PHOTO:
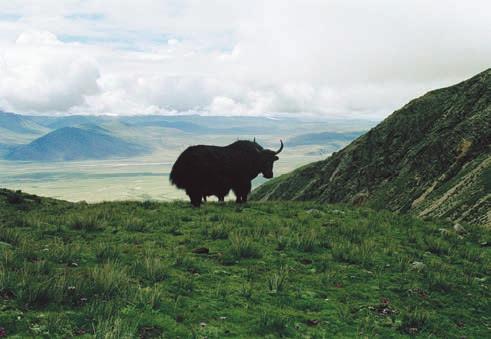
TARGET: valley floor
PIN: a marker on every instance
(139, 178)
(148, 269)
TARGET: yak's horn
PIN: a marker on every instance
(281, 147)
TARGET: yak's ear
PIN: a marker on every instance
(275, 158)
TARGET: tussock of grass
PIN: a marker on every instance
(135, 225)
(277, 281)
(307, 241)
(272, 322)
(216, 232)
(63, 253)
(149, 298)
(86, 222)
(415, 321)
(151, 269)
(114, 328)
(107, 280)
(128, 269)
(9, 236)
(243, 247)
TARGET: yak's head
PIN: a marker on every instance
(267, 158)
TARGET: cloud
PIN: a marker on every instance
(40, 74)
(331, 58)
(37, 38)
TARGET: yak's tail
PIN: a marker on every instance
(179, 173)
(185, 173)
(174, 176)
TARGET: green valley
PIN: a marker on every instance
(98, 158)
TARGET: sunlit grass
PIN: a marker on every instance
(136, 269)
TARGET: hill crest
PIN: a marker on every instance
(431, 157)
(75, 143)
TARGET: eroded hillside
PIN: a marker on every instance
(431, 157)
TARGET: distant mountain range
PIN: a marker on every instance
(431, 157)
(75, 143)
(322, 138)
(15, 128)
(190, 127)
(26, 137)
(19, 124)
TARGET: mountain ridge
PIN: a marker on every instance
(413, 161)
(322, 137)
(19, 124)
(75, 143)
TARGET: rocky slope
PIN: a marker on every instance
(431, 157)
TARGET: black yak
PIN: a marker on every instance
(204, 170)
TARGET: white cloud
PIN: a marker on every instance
(343, 58)
(226, 106)
(38, 73)
(36, 38)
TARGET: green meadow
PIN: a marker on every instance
(284, 269)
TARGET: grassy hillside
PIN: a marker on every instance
(75, 143)
(296, 269)
(431, 157)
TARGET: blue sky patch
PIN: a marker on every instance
(9, 16)
(86, 16)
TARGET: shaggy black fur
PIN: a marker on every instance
(204, 170)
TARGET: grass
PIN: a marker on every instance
(243, 247)
(277, 281)
(129, 269)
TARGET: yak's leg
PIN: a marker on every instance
(204, 197)
(238, 195)
(196, 200)
(222, 194)
(242, 191)
(195, 197)
(247, 190)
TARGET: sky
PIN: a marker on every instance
(343, 59)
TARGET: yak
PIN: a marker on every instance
(205, 170)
